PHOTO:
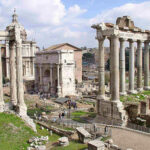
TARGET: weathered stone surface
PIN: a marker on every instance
(96, 145)
(63, 141)
(83, 135)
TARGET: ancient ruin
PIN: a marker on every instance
(58, 68)
(124, 30)
(55, 71)
(15, 35)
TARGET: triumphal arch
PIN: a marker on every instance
(15, 34)
(112, 111)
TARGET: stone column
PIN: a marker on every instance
(58, 82)
(146, 66)
(1, 84)
(114, 68)
(101, 94)
(41, 82)
(139, 66)
(20, 87)
(122, 68)
(12, 64)
(131, 67)
(36, 78)
(51, 78)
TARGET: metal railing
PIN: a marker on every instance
(103, 130)
(138, 127)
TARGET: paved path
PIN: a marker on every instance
(129, 139)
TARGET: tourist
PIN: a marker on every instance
(62, 115)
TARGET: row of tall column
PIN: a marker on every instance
(117, 67)
(16, 79)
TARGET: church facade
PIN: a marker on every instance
(29, 48)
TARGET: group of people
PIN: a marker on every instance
(72, 104)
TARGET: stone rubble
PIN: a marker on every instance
(37, 143)
(63, 141)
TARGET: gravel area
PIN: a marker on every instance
(129, 139)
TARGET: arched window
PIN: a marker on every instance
(47, 73)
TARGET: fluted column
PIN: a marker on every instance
(115, 68)
(101, 94)
(1, 85)
(122, 68)
(139, 66)
(12, 64)
(20, 88)
(131, 67)
(146, 66)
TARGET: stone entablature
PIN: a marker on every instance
(55, 72)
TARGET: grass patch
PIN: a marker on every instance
(83, 113)
(38, 111)
(80, 116)
(79, 120)
(135, 97)
(74, 145)
(105, 138)
(14, 134)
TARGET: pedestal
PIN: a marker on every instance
(111, 112)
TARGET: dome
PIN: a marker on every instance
(16, 23)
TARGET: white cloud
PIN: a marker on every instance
(75, 10)
(138, 12)
(38, 11)
(50, 22)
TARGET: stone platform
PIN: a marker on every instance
(111, 112)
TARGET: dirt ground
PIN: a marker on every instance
(129, 139)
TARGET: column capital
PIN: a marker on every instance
(101, 38)
(132, 40)
(122, 39)
(114, 36)
(140, 41)
(146, 42)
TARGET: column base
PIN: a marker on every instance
(22, 111)
(139, 89)
(59, 91)
(132, 92)
(111, 112)
(146, 87)
(123, 93)
(99, 97)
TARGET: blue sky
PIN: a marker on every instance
(56, 21)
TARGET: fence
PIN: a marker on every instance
(138, 127)
(102, 130)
